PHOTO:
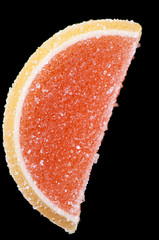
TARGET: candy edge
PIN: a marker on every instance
(9, 117)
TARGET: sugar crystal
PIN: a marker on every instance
(42, 162)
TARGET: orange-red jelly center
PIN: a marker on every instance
(65, 113)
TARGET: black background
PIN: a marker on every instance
(116, 197)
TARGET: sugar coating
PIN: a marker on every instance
(66, 112)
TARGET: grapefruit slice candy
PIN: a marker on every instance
(58, 109)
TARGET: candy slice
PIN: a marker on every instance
(58, 110)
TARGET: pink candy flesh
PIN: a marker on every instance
(66, 112)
